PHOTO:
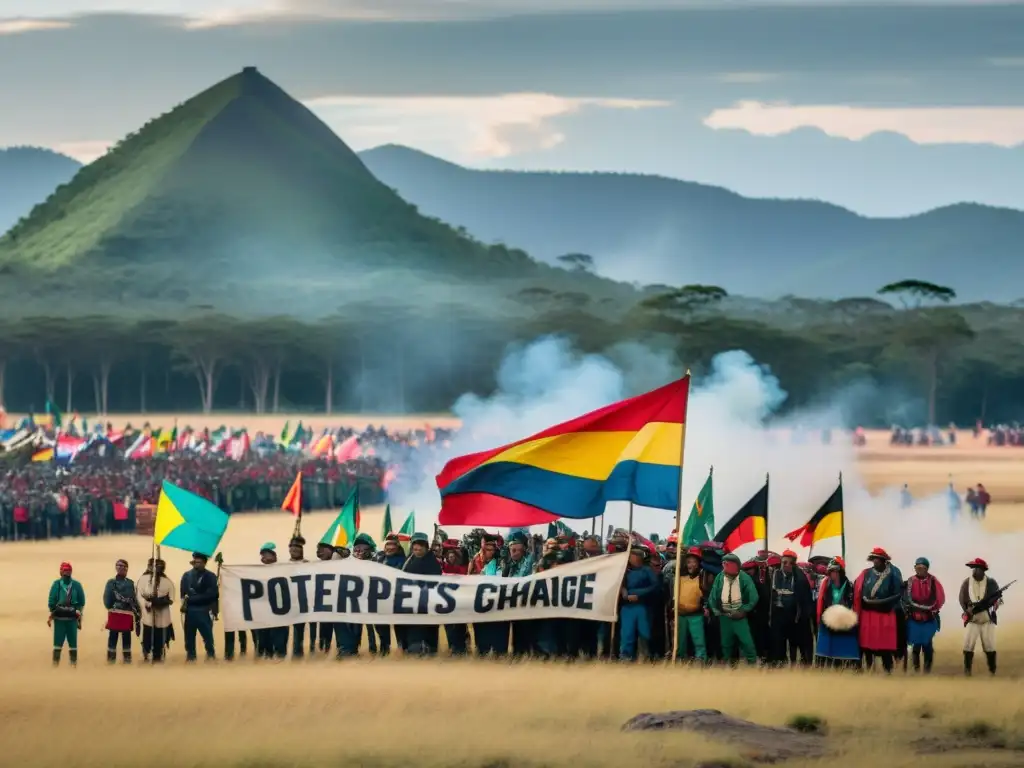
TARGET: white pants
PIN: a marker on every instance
(985, 632)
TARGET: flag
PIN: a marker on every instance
(627, 451)
(293, 501)
(283, 439)
(348, 450)
(407, 530)
(747, 526)
(826, 523)
(45, 454)
(54, 412)
(346, 525)
(324, 445)
(701, 522)
(186, 521)
(389, 477)
(558, 528)
(386, 526)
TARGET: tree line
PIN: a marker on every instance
(920, 360)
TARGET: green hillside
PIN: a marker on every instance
(28, 175)
(241, 196)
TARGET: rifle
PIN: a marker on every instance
(987, 603)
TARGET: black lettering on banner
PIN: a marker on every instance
(350, 589)
(583, 599)
(513, 595)
(301, 581)
(379, 591)
(322, 591)
(540, 594)
(555, 581)
(252, 589)
(483, 601)
(424, 604)
(568, 593)
(403, 592)
(444, 591)
(280, 595)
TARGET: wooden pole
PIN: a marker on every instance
(767, 503)
(679, 518)
(842, 518)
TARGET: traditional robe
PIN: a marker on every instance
(876, 597)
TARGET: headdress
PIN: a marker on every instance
(879, 553)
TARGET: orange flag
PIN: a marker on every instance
(293, 501)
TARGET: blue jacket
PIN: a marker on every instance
(394, 561)
(201, 589)
(641, 582)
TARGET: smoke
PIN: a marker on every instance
(732, 425)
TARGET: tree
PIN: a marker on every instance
(927, 330)
(267, 344)
(577, 262)
(202, 345)
(686, 300)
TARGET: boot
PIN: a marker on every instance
(917, 659)
(968, 662)
(127, 656)
(929, 657)
(991, 657)
(56, 656)
(111, 656)
(73, 657)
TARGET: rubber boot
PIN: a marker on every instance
(56, 656)
(111, 656)
(73, 657)
(968, 662)
(991, 657)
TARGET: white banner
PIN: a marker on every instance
(365, 592)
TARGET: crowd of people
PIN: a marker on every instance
(98, 492)
(770, 610)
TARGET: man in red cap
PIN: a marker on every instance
(979, 601)
(691, 606)
(790, 608)
(66, 603)
(876, 598)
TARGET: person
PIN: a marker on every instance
(123, 613)
(906, 498)
(421, 638)
(272, 642)
(876, 596)
(837, 644)
(733, 596)
(199, 593)
(295, 556)
(325, 552)
(979, 604)
(539, 636)
(634, 616)
(392, 556)
(923, 598)
(66, 603)
(490, 637)
(691, 605)
(155, 594)
(984, 499)
(350, 634)
(791, 606)
(457, 635)
(954, 503)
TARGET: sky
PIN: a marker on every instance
(888, 108)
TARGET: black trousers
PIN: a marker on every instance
(885, 656)
(491, 638)
(126, 644)
(457, 636)
(243, 644)
(201, 622)
(154, 641)
(788, 637)
(273, 643)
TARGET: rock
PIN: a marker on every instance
(760, 743)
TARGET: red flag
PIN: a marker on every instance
(293, 501)
(389, 477)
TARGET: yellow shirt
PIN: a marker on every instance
(689, 594)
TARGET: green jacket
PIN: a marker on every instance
(748, 593)
(58, 592)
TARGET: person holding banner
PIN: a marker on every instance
(489, 637)
(392, 556)
(271, 643)
(295, 555)
(324, 551)
(457, 635)
(421, 639)
(638, 587)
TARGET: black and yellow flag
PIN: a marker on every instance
(826, 523)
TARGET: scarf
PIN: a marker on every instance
(882, 578)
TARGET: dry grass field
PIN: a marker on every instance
(401, 712)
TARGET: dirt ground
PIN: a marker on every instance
(441, 712)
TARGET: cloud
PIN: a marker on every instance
(1001, 126)
(747, 78)
(83, 151)
(466, 127)
(21, 26)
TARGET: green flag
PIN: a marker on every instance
(343, 530)
(386, 526)
(54, 411)
(406, 531)
(283, 439)
(558, 528)
(700, 525)
(186, 521)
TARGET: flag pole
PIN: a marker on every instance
(767, 504)
(679, 517)
(842, 519)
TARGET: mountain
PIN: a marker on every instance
(658, 230)
(27, 177)
(241, 199)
